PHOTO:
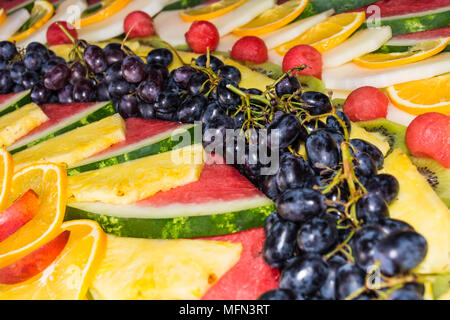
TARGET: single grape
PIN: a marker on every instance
(167, 103)
(83, 91)
(6, 82)
(102, 91)
(38, 48)
(400, 252)
(317, 235)
(146, 110)
(182, 75)
(211, 112)
(8, 50)
(283, 131)
(65, 94)
(198, 84)
(364, 165)
(349, 279)
(162, 70)
(370, 149)
(114, 53)
(33, 61)
(327, 291)
(227, 98)
(40, 94)
(148, 91)
(154, 75)
(363, 245)
(57, 77)
(214, 63)
(317, 103)
(278, 294)
(113, 72)
(231, 73)
(299, 205)
(172, 86)
(334, 125)
(292, 173)
(94, 57)
(304, 274)
(160, 56)
(119, 87)
(384, 185)
(17, 69)
(288, 85)
(192, 108)
(29, 79)
(128, 106)
(133, 69)
(371, 208)
(322, 151)
(78, 71)
(280, 243)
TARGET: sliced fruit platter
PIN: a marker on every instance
(225, 150)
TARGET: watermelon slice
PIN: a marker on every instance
(221, 201)
(407, 16)
(63, 118)
(251, 276)
(12, 101)
(318, 6)
(144, 138)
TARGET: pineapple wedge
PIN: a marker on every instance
(361, 133)
(18, 123)
(76, 145)
(161, 269)
(420, 206)
(135, 180)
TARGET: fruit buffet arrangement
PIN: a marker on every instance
(109, 111)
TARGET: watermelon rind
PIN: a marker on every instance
(160, 143)
(97, 112)
(15, 102)
(318, 6)
(183, 4)
(23, 5)
(182, 221)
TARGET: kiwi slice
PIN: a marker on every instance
(391, 132)
(437, 176)
(270, 69)
(310, 83)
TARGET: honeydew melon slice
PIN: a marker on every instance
(225, 23)
(13, 23)
(143, 138)
(12, 101)
(63, 118)
(161, 269)
(362, 42)
(68, 10)
(113, 26)
(350, 76)
(221, 201)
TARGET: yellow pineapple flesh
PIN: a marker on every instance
(135, 180)
(161, 269)
(19, 123)
(75, 145)
(421, 207)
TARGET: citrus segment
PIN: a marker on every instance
(2, 16)
(211, 11)
(6, 173)
(108, 8)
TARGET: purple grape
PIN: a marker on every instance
(17, 70)
(6, 82)
(94, 57)
(57, 77)
(128, 107)
(118, 88)
(65, 94)
(33, 61)
(83, 91)
(40, 94)
(38, 48)
(133, 69)
(182, 75)
(113, 72)
(7, 50)
(114, 53)
(78, 71)
(149, 91)
(146, 110)
(29, 79)
(102, 92)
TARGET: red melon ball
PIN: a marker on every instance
(251, 49)
(304, 55)
(56, 35)
(428, 135)
(366, 103)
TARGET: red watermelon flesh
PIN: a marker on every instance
(390, 8)
(251, 276)
(7, 96)
(425, 35)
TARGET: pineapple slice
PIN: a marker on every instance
(361, 133)
(421, 207)
(135, 180)
(76, 145)
(161, 269)
(18, 123)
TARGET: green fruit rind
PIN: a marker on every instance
(177, 227)
(410, 23)
(101, 110)
(28, 5)
(317, 6)
(17, 101)
(162, 143)
(183, 4)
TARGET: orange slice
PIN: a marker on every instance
(422, 96)
(211, 11)
(42, 12)
(108, 8)
(6, 174)
(327, 34)
(418, 52)
(69, 276)
(272, 19)
(2, 15)
(49, 182)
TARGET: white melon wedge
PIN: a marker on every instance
(68, 10)
(293, 30)
(13, 23)
(170, 27)
(362, 42)
(113, 26)
(275, 57)
(350, 76)
(227, 42)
